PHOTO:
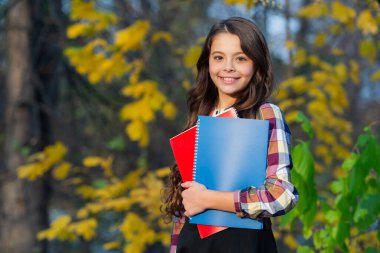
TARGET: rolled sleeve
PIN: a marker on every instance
(277, 195)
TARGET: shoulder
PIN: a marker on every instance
(270, 111)
(274, 115)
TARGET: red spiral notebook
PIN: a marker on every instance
(183, 146)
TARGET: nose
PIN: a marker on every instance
(229, 66)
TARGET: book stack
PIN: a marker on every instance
(224, 153)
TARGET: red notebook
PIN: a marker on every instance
(183, 146)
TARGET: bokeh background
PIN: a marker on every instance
(91, 91)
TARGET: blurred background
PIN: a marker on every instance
(92, 90)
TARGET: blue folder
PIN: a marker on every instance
(231, 154)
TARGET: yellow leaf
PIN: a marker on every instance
(82, 213)
(169, 110)
(156, 100)
(314, 10)
(341, 71)
(367, 23)
(321, 150)
(165, 36)
(290, 44)
(81, 8)
(291, 117)
(138, 66)
(55, 153)
(84, 228)
(131, 37)
(314, 60)
(192, 56)
(62, 171)
(77, 30)
(136, 90)
(291, 242)
(31, 171)
(320, 40)
(375, 76)
(336, 51)
(135, 130)
(300, 57)
(86, 191)
(368, 50)
(354, 72)
(111, 245)
(320, 77)
(163, 172)
(92, 161)
(137, 232)
(118, 204)
(186, 85)
(342, 13)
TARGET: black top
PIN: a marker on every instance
(230, 240)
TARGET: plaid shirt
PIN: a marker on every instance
(277, 195)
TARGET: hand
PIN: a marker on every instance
(192, 198)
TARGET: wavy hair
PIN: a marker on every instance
(203, 97)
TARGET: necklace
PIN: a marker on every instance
(218, 110)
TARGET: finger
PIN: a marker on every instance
(187, 184)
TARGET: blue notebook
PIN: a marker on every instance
(231, 154)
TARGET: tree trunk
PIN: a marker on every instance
(19, 217)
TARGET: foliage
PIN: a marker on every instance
(342, 217)
(103, 60)
(135, 197)
(330, 71)
(350, 210)
(111, 55)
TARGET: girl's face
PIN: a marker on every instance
(230, 69)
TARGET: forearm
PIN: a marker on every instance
(219, 200)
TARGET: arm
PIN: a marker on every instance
(275, 197)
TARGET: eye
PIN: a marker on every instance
(242, 58)
(218, 57)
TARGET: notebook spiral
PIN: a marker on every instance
(196, 151)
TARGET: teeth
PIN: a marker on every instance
(228, 79)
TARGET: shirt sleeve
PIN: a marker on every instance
(177, 227)
(277, 195)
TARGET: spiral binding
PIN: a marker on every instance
(235, 112)
(196, 151)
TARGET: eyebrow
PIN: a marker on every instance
(220, 52)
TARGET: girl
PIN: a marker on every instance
(234, 70)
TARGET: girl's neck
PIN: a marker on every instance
(225, 103)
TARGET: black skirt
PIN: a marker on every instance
(230, 240)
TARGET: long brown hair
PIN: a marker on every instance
(203, 97)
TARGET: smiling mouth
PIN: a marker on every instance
(229, 79)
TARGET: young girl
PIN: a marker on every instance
(234, 70)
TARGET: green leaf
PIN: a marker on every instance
(340, 232)
(100, 183)
(318, 240)
(303, 161)
(328, 250)
(117, 143)
(368, 211)
(288, 218)
(349, 163)
(362, 140)
(371, 250)
(305, 249)
(305, 124)
(337, 186)
(332, 216)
